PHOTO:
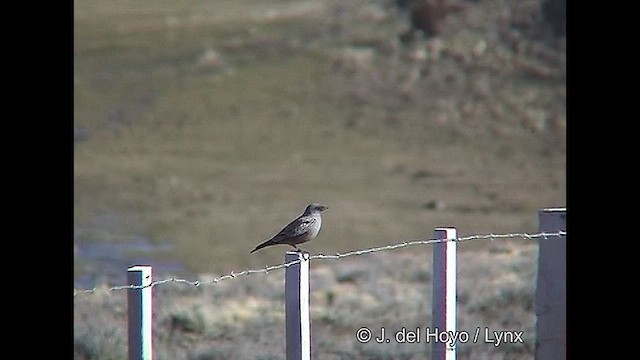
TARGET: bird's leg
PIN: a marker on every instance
(304, 252)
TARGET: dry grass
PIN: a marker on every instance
(391, 290)
(215, 158)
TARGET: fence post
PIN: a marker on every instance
(551, 295)
(444, 294)
(140, 313)
(296, 291)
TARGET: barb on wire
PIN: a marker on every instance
(337, 255)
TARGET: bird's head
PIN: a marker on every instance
(315, 207)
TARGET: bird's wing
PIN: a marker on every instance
(296, 228)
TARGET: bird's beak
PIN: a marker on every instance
(323, 208)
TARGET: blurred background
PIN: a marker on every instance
(203, 127)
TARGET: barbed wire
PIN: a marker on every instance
(337, 255)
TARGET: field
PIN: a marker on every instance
(201, 128)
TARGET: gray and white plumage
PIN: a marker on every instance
(304, 228)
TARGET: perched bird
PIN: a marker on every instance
(300, 230)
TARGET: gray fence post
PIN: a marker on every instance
(551, 296)
(296, 291)
(444, 295)
(140, 312)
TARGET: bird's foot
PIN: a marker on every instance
(305, 254)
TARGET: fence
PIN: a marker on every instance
(550, 300)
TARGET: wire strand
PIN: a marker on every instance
(337, 255)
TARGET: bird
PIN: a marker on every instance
(304, 228)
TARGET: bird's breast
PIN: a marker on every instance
(314, 229)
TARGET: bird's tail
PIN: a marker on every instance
(260, 246)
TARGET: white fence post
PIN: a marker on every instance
(551, 291)
(296, 290)
(140, 313)
(444, 294)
